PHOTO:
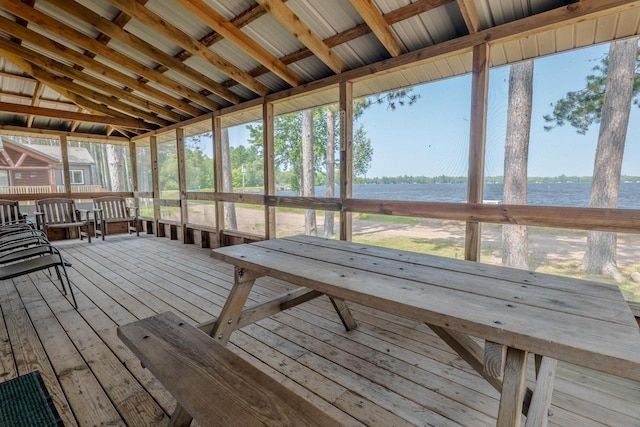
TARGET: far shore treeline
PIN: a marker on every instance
(443, 179)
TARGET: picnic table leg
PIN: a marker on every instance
(513, 388)
(344, 313)
(223, 327)
(541, 400)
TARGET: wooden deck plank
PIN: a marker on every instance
(87, 399)
(8, 369)
(28, 351)
(130, 399)
(350, 384)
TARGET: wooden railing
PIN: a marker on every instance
(40, 189)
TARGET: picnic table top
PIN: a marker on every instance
(583, 322)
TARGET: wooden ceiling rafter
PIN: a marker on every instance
(35, 100)
(400, 14)
(59, 83)
(185, 41)
(76, 100)
(289, 20)
(24, 97)
(376, 22)
(470, 15)
(79, 39)
(81, 96)
(10, 27)
(80, 136)
(71, 115)
(10, 49)
(226, 29)
(111, 31)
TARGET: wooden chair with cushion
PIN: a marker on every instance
(113, 210)
(61, 213)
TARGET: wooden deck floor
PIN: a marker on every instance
(389, 371)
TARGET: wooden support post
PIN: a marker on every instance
(66, 173)
(182, 185)
(269, 169)
(133, 160)
(477, 143)
(346, 156)
(216, 126)
(513, 388)
(155, 184)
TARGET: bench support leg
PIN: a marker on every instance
(223, 327)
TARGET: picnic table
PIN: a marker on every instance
(514, 312)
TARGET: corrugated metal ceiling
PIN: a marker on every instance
(325, 19)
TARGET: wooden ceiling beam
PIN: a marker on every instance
(400, 14)
(226, 29)
(58, 83)
(572, 14)
(23, 97)
(374, 19)
(187, 42)
(70, 115)
(245, 18)
(18, 130)
(28, 57)
(17, 76)
(113, 31)
(77, 38)
(9, 27)
(470, 15)
(37, 93)
(302, 32)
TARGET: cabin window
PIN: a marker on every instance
(77, 177)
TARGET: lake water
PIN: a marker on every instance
(554, 194)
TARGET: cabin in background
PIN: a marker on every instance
(38, 168)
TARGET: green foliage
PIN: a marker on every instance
(288, 147)
(198, 165)
(582, 108)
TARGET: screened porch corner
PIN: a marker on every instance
(388, 371)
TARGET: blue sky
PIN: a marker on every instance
(431, 137)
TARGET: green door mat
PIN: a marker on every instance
(25, 401)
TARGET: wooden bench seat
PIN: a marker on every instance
(216, 386)
(114, 210)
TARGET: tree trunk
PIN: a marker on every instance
(515, 246)
(94, 166)
(115, 159)
(600, 257)
(104, 167)
(308, 179)
(230, 221)
(330, 169)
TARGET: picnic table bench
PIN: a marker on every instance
(515, 312)
(216, 386)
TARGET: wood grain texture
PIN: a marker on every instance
(214, 385)
(548, 330)
(509, 414)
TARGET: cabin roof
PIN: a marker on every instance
(120, 69)
(52, 153)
